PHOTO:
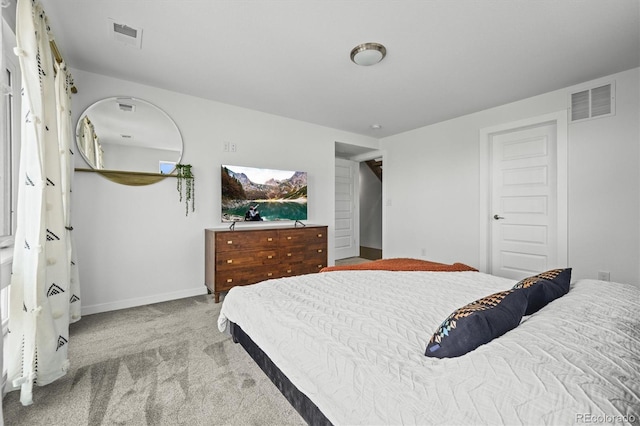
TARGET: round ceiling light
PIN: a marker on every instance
(368, 54)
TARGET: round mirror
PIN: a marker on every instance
(130, 135)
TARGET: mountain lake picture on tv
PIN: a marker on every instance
(251, 194)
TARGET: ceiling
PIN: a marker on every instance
(291, 57)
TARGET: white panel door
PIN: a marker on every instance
(524, 201)
(346, 226)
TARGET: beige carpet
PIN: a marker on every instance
(351, 261)
(161, 364)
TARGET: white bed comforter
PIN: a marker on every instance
(354, 342)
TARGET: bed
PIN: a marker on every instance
(347, 347)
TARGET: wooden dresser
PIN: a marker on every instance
(248, 256)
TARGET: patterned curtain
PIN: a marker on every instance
(44, 283)
(64, 83)
(86, 137)
(89, 142)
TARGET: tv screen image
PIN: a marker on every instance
(252, 194)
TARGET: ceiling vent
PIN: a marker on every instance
(125, 34)
(126, 107)
(593, 103)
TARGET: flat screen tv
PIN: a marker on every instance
(251, 194)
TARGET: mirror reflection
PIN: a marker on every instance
(128, 134)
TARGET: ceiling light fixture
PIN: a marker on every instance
(376, 126)
(368, 54)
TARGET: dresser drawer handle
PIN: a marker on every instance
(270, 257)
(319, 250)
(230, 261)
(270, 239)
(229, 280)
(288, 254)
(319, 235)
(230, 242)
(288, 271)
(270, 274)
(319, 266)
(288, 238)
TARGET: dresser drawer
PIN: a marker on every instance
(225, 280)
(301, 268)
(301, 236)
(291, 254)
(245, 258)
(316, 251)
(300, 253)
(234, 241)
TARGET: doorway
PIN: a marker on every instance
(523, 196)
(347, 223)
(358, 202)
(371, 208)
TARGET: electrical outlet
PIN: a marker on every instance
(225, 147)
(604, 275)
(233, 147)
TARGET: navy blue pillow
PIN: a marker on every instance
(477, 323)
(544, 288)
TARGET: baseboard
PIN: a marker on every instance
(370, 253)
(140, 301)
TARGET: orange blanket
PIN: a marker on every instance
(401, 264)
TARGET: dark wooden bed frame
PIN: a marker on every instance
(298, 400)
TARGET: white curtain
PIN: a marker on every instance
(85, 140)
(64, 83)
(44, 284)
(89, 143)
(3, 92)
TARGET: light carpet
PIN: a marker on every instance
(160, 364)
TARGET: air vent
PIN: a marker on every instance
(125, 34)
(593, 103)
(126, 107)
(124, 30)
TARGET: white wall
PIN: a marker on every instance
(435, 169)
(370, 208)
(135, 245)
(123, 157)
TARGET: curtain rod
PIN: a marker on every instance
(58, 57)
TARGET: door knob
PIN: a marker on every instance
(496, 217)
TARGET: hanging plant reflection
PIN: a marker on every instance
(186, 186)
